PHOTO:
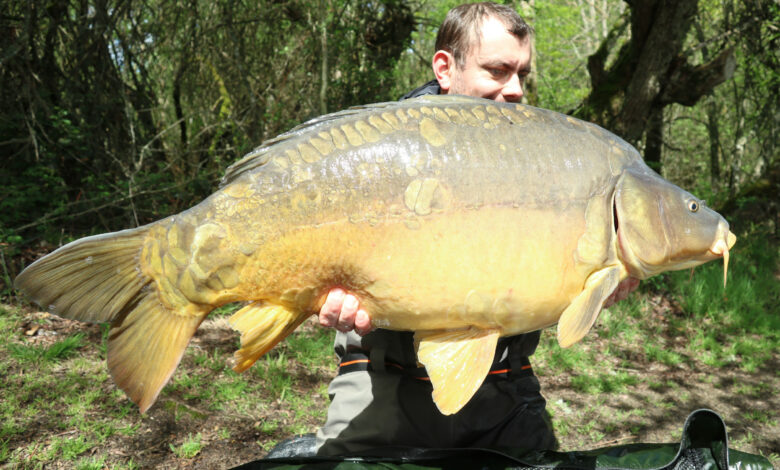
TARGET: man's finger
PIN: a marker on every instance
(349, 308)
(329, 313)
(362, 323)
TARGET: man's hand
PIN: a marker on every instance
(625, 287)
(342, 311)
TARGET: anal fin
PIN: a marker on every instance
(579, 316)
(457, 362)
(262, 326)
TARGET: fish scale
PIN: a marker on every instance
(458, 218)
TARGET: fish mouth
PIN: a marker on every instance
(721, 248)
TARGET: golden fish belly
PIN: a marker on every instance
(496, 267)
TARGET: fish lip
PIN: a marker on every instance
(722, 244)
(720, 249)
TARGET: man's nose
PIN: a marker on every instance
(513, 89)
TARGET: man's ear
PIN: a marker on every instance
(443, 68)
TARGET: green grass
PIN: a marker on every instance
(610, 382)
(273, 370)
(762, 417)
(59, 404)
(738, 326)
(659, 353)
(68, 448)
(57, 351)
(741, 323)
(189, 448)
(5, 453)
(91, 463)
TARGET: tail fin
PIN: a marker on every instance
(262, 327)
(145, 347)
(97, 279)
(92, 279)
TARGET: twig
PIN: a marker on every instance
(51, 215)
(5, 270)
(613, 442)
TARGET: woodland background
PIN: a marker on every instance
(116, 113)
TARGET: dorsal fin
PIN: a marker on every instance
(260, 155)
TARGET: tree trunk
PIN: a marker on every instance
(713, 132)
(654, 139)
(649, 72)
(324, 67)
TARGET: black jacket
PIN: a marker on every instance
(430, 88)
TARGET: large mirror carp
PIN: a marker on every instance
(458, 218)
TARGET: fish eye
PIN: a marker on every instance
(693, 206)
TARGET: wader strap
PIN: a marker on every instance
(364, 361)
(520, 366)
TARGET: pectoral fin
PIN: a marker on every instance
(457, 363)
(579, 316)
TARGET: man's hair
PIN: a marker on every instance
(460, 30)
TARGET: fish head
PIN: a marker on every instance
(661, 227)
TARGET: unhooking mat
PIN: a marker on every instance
(704, 446)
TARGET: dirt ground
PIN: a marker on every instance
(650, 410)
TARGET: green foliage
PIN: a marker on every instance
(313, 347)
(616, 382)
(135, 114)
(189, 448)
(660, 353)
(568, 359)
(4, 452)
(565, 37)
(59, 404)
(274, 370)
(69, 448)
(741, 323)
(55, 352)
(729, 140)
(413, 67)
(91, 463)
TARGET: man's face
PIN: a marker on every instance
(496, 67)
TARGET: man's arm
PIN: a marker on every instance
(342, 311)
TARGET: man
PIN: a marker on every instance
(379, 399)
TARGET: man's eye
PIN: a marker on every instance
(496, 72)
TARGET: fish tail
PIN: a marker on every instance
(98, 279)
(92, 279)
(262, 326)
(145, 346)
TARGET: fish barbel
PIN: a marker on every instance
(460, 219)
